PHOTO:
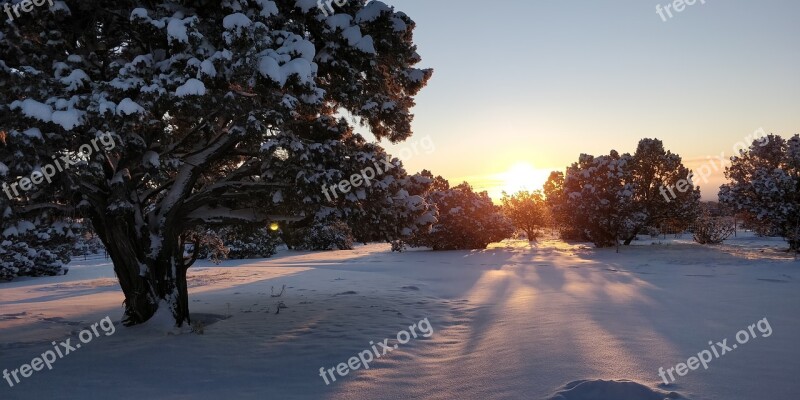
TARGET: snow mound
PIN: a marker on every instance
(611, 390)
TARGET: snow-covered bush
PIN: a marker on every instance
(710, 229)
(87, 245)
(86, 240)
(35, 248)
(326, 235)
(231, 242)
(467, 220)
(245, 242)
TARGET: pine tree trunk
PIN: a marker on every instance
(163, 278)
(632, 237)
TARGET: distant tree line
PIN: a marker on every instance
(611, 199)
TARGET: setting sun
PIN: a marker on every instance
(523, 176)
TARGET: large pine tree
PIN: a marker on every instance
(198, 105)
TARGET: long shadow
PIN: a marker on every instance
(306, 329)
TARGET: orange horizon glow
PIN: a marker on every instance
(519, 176)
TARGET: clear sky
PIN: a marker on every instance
(538, 82)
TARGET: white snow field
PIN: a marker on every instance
(551, 321)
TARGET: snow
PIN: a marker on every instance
(603, 390)
(34, 109)
(372, 11)
(150, 159)
(126, 83)
(33, 133)
(299, 67)
(236, 21)
(516, 321)
(129, 107)
(68, 119)
(176, 30)
(340, 21)
(107, 106)
(59, 6)
(354, 39)
(21, 228)
(192, 87)
(139, 13)
(307, 5)
(268, 8)
(207, 68)
(300, 46)
(144, 59)
(416, 75)
(399, 25)
(154, 88)
(269, 68)
(75, 80)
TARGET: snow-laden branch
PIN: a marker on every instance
(224, 215)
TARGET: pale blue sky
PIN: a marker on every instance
(542, 81)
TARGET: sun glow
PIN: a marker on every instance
(523, 176)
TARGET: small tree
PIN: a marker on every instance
(561, 218)
(611, 199)
(600, 194)
(662, 188)
(765, 186)
(712, 227)
(467, 220)
(527, 211)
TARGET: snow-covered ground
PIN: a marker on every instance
(511, 322)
